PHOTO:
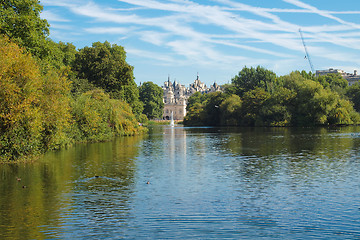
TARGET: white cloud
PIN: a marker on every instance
(53, 17)
(320, 12)
(153, 37)
(188, 32)
(161, 59)
(109, 30)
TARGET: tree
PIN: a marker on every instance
(99, 118)
(55, 106)
(20, 21)
(212, 109)
(316, 105)
(275, 111)
(231, 110)
(353, 93)
(69, 52)
(333, 81)
(229, 89)
(253, 102)
(20, 113)
(34, 106)
(250, 78)
(105, 66)
(195, 112)
(197, 97)
(152, 97)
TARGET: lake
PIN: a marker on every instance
(190, 183)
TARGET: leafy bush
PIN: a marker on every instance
(99, 118)
(55, 105)
(20, 111)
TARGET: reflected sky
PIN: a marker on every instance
(190, 183)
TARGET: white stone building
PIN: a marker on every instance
(176, 96)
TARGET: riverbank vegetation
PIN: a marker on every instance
(257, 97)
(53, 95)
(152, 97)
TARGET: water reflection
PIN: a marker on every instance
(204, 183)
(60, 194)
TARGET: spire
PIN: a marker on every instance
(197, 78)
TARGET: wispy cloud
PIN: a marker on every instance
(154, 37)
(53, 17)
(315, 10)
(161, 58)
(192, 32)
(110, 30)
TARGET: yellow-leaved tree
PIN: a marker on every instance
(20, 112)
(56, 112)
(34, 105)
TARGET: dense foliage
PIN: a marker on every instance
(257, 97)
(353, 93)
(34, 107)
(104, 65)
(99, 118)
(39, 113)
(152, 97)
(47, 100)
(20, 20)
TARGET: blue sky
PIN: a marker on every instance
(215, 38)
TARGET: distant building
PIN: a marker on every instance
(350, 77)
(176, 96)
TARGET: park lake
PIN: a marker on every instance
(190, 183)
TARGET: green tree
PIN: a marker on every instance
(229, 89)
(353, 93)
(68, 51)
(343, 113)
(56, 112)
(250, 78)
(105, 66)
(315, 105)
(152, 97)
(231, 110)
(308, 75)
(99, 118)
(275, 111)
(333, 81)
(80, 86)
(253, 102)
(195, 115)
(195, 110)
(20, 21)
(197, 97)
(212, 108)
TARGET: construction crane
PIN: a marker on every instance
(307, 56)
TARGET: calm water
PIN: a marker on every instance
(204, 183)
